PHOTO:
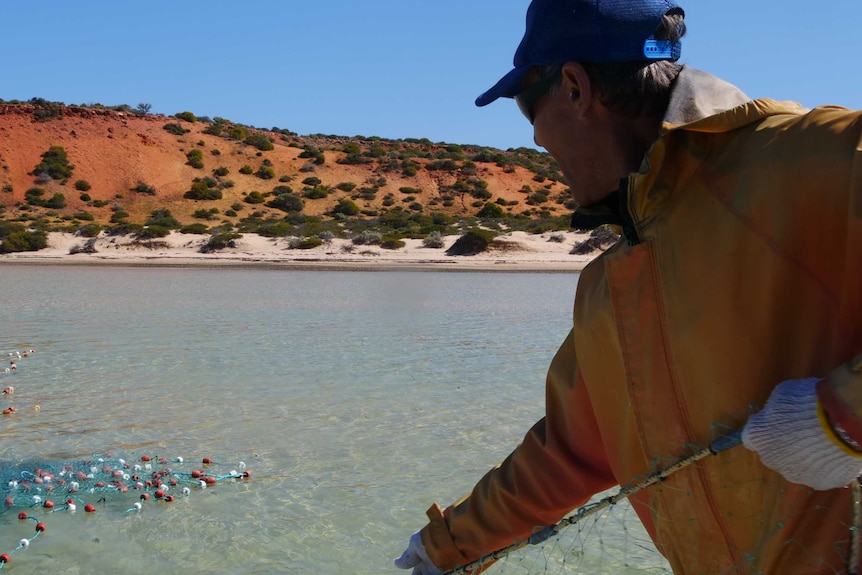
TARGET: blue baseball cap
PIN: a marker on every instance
(596, 31)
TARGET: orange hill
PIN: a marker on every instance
(115, 152)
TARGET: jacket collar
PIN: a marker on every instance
(699, 102)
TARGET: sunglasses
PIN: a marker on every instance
(527, 99)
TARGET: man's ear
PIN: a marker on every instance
(576, 83)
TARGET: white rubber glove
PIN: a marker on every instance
(793, 437)
(415, 557)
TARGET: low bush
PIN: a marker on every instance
(392, 243)
(195, 158)
(175, 129)
(196, 228)
(89, 230)
(474, 241)
(434, 240)
(220, 241)
(254, 197)
(143, 188)
(54, 164)
(305, 243)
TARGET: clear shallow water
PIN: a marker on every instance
(355, 398)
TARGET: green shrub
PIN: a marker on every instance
(16, 237)
(46, 110)
(162, 218)
(287, 203)
(89, 230)
(200, 191)
(353, 159)
(345, 207)
(195, 228)
(82, 186)
(537, 198)
(221, 172)
(490, 210)
(273, 229)
(150, 232)
(220, 241)
(312, 181)
(392, 243)
(54, 164)
(56, 202)
(367, 238)
(195, 158)
(203, 214)
(124, 229)
(84, 216)
(85, 197)
(213, 129)
(33, 196)
(316, 193)
(175, 129)
(265, 173)
(443, 165)
(246, 169)
(143, 188)
(254, 198)
(23, 241)
(187, 116)
(346, 186)
(474, 241)
(238, 133)
(259, 141)
(409, 190)
(119, 216)
(306, 243)
(434, 239)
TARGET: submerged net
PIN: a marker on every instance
(103, 483)
(34, 490)
(609, 542)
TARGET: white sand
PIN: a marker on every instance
(519, 252)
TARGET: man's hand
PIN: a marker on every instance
(793, 436)
(415, 557)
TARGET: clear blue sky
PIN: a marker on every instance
(388, 68)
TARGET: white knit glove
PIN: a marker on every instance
(792, 436)
(415, 557)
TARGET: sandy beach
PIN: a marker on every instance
(515, 251)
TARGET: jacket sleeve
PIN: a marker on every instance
(559, 465)
(841, 393)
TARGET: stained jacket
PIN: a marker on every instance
(740, 267)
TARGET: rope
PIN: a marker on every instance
(719, 445)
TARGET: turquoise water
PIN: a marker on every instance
(355, 398)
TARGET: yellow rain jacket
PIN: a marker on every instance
(740, 267)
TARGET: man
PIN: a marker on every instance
(737, 284)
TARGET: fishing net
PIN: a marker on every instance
(34, 490)
(606, 536)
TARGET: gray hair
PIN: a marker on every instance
(634, 89)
